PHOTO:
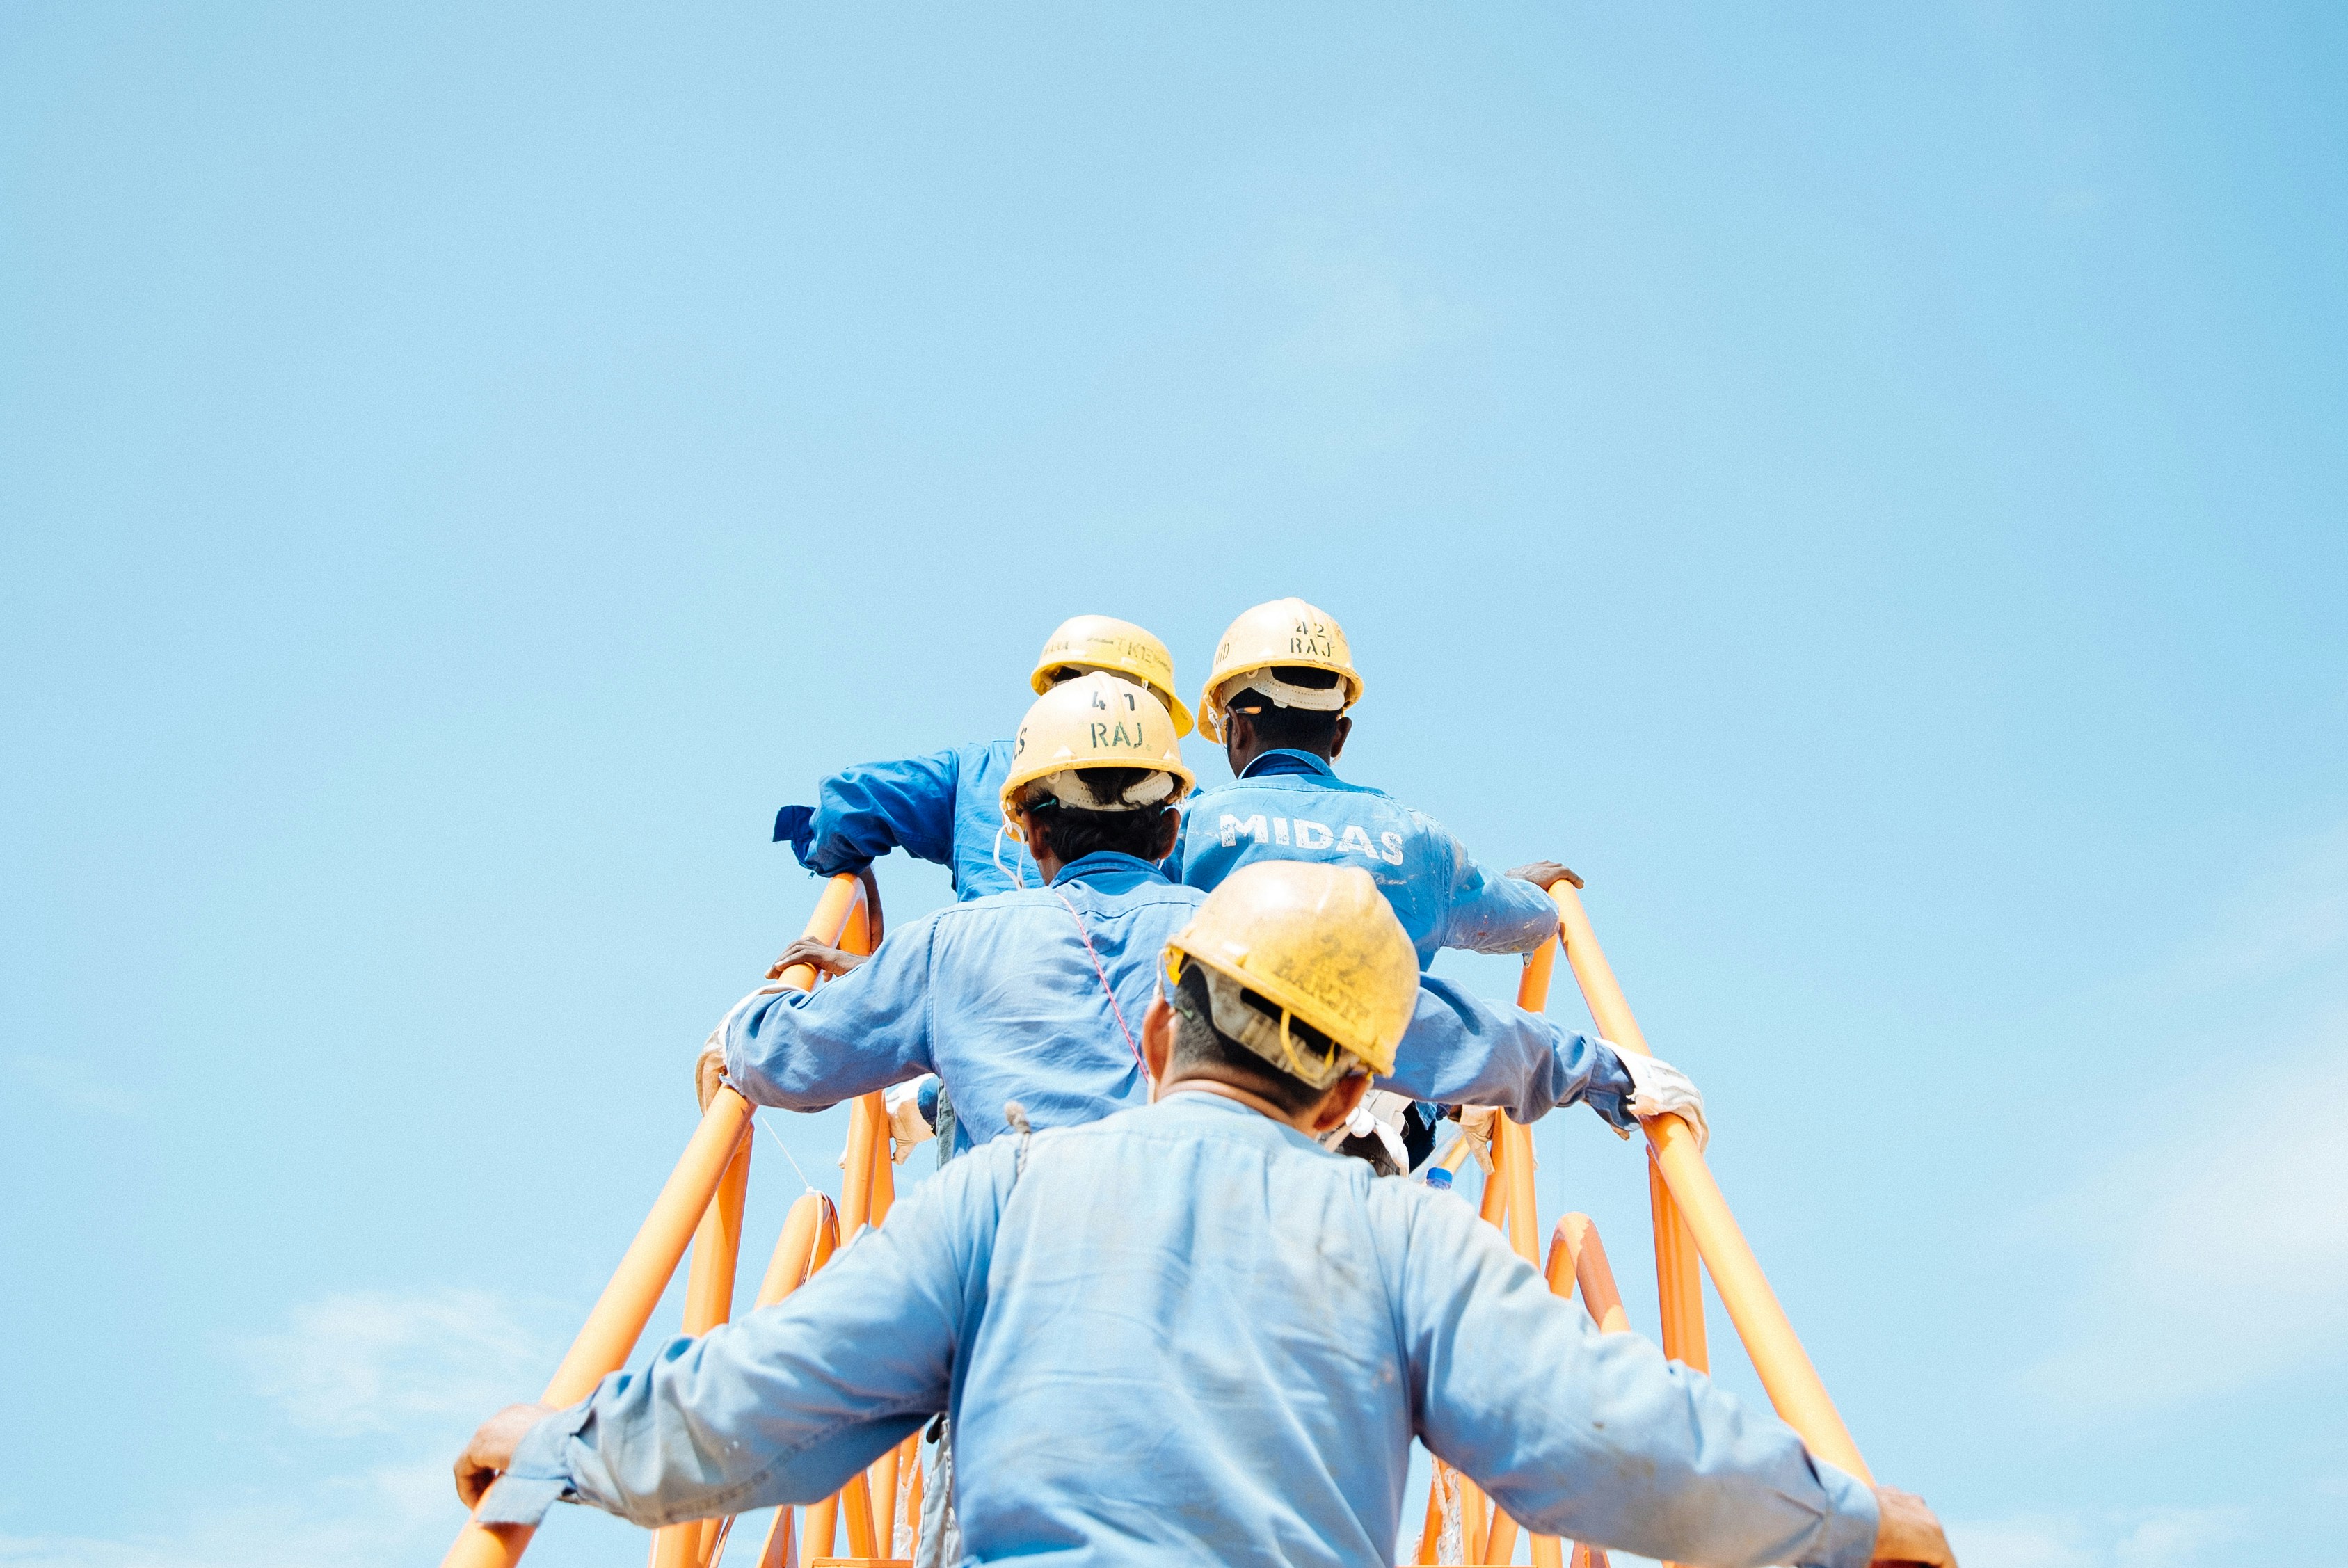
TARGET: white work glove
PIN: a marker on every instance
(1659, 1088)
(906, 1127)
(1370, 1119)
(1476, 1123)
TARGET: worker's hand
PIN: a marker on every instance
(1909, 1531)
(1476, 1122)
(906, 1120)
(1659, 1088)
(493, 1449)
(872, 922)
(709, 1071)
(832, 961)
(1545, 874)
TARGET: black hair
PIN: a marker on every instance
(1072, 832)
(1199, 1045)
(1290, 729)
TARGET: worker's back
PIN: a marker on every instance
(1036, 996)
(1292, 806)
(1185, 1334)
(1194, 1336)
(1188, 1350)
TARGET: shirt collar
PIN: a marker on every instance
(1283, 759)
(1107, 865)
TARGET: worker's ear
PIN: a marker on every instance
(1238, 736)
(1338, 1104)
(1169, 832)
(1157, 1041)
(1337, 739)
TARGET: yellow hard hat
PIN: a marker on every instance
(1320, 942)
(1104, 643)
(1284, 632)
(1099, 720)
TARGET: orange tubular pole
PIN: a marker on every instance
(709, 1302)
(1576, 1257)
(868, 1124)
(1679, 1286)
(620, 1314)
(1785, 1370)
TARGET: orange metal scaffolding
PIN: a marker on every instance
(703, 1202)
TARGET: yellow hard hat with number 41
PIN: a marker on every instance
(1322, 946)
(1089, 642)
(1095, 721)
(1284, 634)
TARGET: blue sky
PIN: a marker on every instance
(1864, 487)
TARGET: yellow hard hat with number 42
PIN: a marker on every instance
(1090, 642)
(1322, 946)
(1093, 722)
(1286, 632)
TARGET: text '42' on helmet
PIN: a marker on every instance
(1320, 942)
(1098, 720)
(1088, 643)
(1284, 633)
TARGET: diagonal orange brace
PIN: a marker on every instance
(620, 1314)
(1785, 1369)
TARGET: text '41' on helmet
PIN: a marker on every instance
(1094, 722)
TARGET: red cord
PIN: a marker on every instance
(1114, 1006)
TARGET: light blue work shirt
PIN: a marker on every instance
(1001, 999)
(946, 807)
(1292, 806)
(1187, 1335)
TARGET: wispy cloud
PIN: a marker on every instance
(376, 1361)
(2229, 1206)
(2291, 916)
(2139, 1538)
(384, 1384)
(76, 1088)
(387, 1514)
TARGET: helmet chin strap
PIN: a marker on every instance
(1017, 873)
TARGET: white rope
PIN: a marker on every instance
(785, 1148)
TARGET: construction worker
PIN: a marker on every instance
(1283, 679)
(1187, 1333)
(942, 808)
(1035, 995)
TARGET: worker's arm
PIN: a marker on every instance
(1595, 1437)
(1486, 912)
(864, 812)
(1462, 1050)
(804, 1050)
(784, 1406)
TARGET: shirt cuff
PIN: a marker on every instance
(1611, 1087)
(539, 1475)
(1847, 1540)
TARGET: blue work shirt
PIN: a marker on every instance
(946, 807)
(1292, 806)
(1000, 998)
(1187, 1335)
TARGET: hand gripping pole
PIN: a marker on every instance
(626, 1304)
(1777, 1356)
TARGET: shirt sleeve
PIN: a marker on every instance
(1487, 914)
(1462, 1050)
(786, 1404)
(1607, 1443)
(864, 812)
(805, 1050)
